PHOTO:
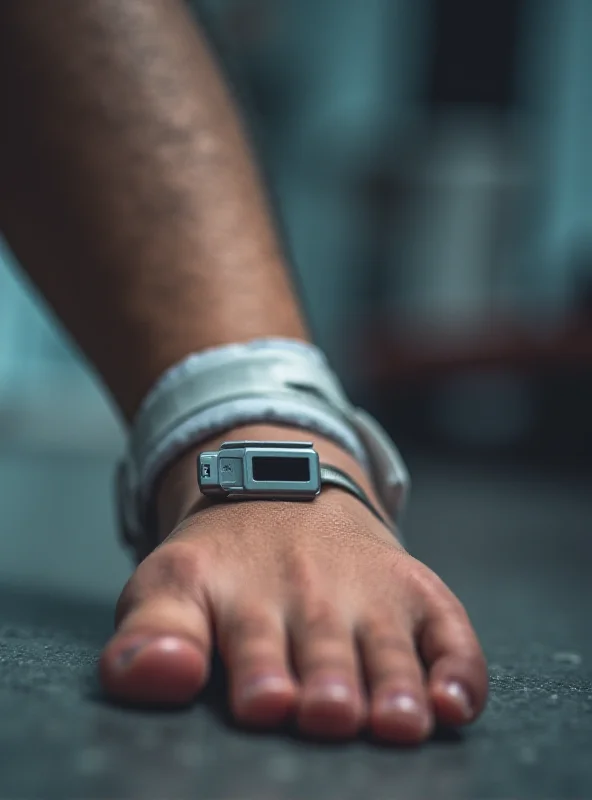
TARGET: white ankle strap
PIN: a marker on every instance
(267, 380)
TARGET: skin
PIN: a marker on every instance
(130, 196)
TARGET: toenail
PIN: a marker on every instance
(263, 685)
(400, 704)
(455, 691)
(127, 655)
(335, 691)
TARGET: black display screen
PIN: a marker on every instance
(272, 468)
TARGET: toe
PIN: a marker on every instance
(458, 681)
(160, 653)
(153, 670)
(253, 645)
(331, 700)
(399, 707)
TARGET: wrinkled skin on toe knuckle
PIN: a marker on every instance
(385, 633)
(249, 621)
(319, 617)
(300, 576)
(178, 570)
(424, 583)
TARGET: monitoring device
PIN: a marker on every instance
(273, 471)
(261, 469)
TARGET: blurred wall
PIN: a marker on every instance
(555, 87)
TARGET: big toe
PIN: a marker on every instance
(153, 670)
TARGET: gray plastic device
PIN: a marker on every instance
(273, 471)
(261, 469)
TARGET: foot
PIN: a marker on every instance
(317, 610)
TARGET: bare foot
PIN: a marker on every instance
(317, 610)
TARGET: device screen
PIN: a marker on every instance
(271, 468)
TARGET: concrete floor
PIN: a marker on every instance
(515, 546)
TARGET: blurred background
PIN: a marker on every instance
(431, 166)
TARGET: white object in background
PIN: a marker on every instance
(456, 255)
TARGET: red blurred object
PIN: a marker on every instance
(388, 357)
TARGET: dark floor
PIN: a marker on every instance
(514, 544)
